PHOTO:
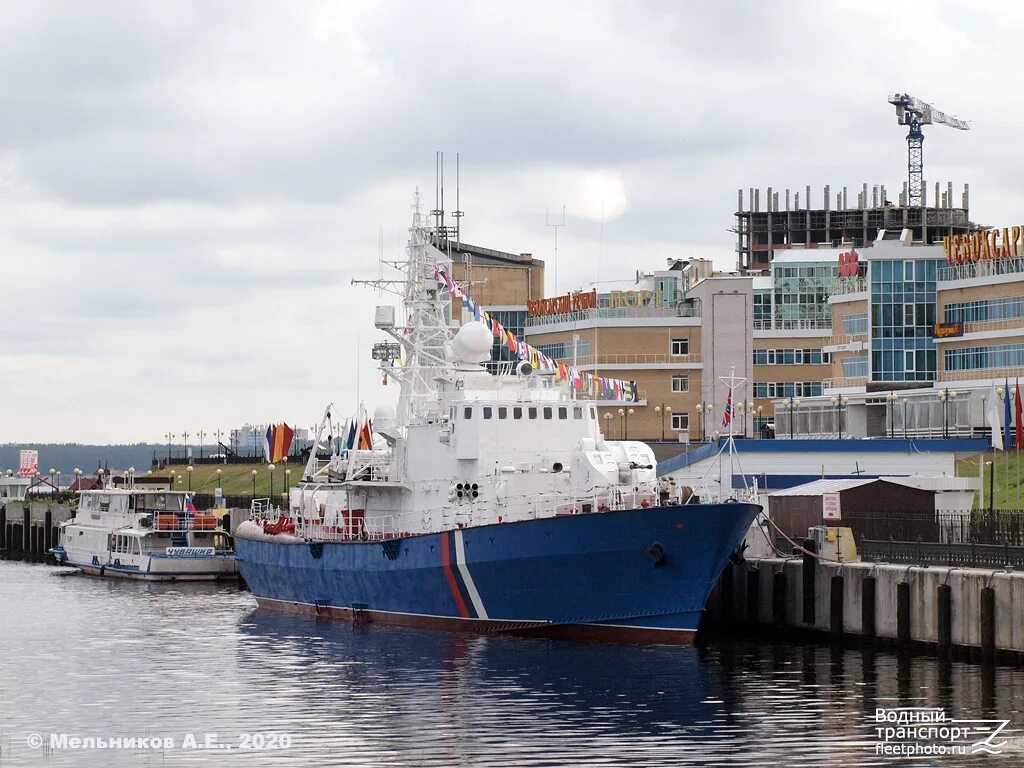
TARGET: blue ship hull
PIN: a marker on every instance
(640, 575)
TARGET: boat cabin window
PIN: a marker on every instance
(556, 467)
(563, 412)
(468, 413)
(577, 412)
(547, 411)
(593, 413)
(487, 411)
(502, 412)
(532, 412)
(517, 413)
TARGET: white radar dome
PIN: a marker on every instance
(473, 343)
(383, 417)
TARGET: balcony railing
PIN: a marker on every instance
(798, 324)
(976, 326)
(599, 360)
(987, 268)
(842, 382)
(980, 374)
(606, 313)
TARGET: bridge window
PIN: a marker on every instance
(502, 412)
(487, 411)
(517, 412)
(548, 412)
(577, 412)
(563, 412)
(532, 412)
(468, 413)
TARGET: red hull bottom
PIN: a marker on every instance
(601, 633)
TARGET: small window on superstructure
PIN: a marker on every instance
(548, 411)
(577, 412)
(593, 413)
(532, 412)
(468, 413)
(563, 412)
(517, 412)
(487, 411)
(502, 412)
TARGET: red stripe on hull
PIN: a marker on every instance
(449, 574)
(602, 633)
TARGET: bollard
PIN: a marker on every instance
(26, 533)
(867, 607)
(779, 599)
(903, 613)
(753, 596)
(726, 594)
(48, 541)
(836, 605)
(988, 624)
(944, 614)
(808, 580)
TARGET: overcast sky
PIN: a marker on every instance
(187, 189)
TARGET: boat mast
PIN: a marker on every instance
(425, 337)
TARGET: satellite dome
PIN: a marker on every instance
(473, 343)
(383, 414)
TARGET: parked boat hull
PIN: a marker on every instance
(640, 575)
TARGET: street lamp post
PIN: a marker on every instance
(904, 418)
(189, 470)
(946, 396)
(131, 477)
(703, 410)
(170, 437)
(663, 411)
(892, 397)
(625, 414)
(608, 422)
(254, 483)
(760, 420)
(201, 435)
(287, 482)
(838, 403)
(270, 468)
(219, 482)
(793, 405)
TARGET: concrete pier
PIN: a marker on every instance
(970, 612)
(29, 529)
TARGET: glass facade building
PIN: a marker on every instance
(902, 319)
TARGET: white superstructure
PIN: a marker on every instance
(144, 534)
(464, 447)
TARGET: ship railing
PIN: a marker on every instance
(261, 510)
(371, 466)
(316, 529)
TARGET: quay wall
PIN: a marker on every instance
(946, 608)
(29, 528)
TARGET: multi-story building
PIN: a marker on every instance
(676, 332)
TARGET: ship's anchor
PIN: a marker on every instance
(657, 554)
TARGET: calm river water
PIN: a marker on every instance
(82, 658)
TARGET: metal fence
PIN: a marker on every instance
(950, 537)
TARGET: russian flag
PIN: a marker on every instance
(727, 413)
(190, 508)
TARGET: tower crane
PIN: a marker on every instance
(915, 113)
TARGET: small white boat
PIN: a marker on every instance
(144, 534)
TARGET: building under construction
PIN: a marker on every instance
(785, 222)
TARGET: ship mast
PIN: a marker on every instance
(425, 336)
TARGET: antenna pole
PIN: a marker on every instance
(555, 225)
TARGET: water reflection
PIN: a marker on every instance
(92, 657)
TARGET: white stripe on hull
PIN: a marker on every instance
(460, 561)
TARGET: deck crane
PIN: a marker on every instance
(915, 113)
